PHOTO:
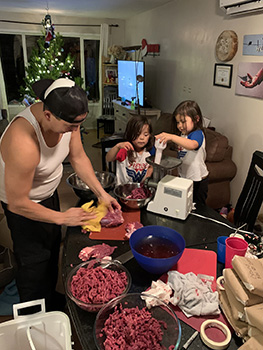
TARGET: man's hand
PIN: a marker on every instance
(76, 217)
(109, 201)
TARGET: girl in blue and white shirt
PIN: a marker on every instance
(191, 147)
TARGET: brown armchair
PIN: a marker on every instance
(221, 169)
(218, 160)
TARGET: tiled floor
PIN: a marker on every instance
(67, 199)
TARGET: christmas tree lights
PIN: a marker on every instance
(48, 63)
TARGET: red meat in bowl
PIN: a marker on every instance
(93, 283)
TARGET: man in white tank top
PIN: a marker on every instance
(32, 150)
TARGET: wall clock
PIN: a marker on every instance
(226, 45)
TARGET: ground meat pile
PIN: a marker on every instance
(142, 192)
(95, 285)
(132, 329)
(112, 219)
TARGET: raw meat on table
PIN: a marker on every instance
(112, 219)
(132, 328)
(97, 251)
(97, 285)
(131, 227)
(139, 193)
(109, 220)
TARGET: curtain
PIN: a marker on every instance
(104, 39)
(104, 42)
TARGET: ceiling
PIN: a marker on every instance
(119, 9)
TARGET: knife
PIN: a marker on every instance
(123, 258)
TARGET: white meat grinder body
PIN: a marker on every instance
(173, 197)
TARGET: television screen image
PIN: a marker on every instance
(127, 73)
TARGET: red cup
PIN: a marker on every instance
(234, 246)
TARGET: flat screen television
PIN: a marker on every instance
(127, 73)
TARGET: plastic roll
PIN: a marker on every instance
(160, 146)
(210, 343)
(158, 156)
(220, 283)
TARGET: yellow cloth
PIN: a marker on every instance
(100, 211)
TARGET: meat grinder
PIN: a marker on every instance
(174, 195)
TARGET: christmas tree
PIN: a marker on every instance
(48, 61)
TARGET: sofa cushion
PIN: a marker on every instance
(221, 171)
(163, 124)
(216, 146)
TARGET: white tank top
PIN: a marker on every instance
(193, 166)
(49, 170)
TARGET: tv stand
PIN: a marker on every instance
(123, 113)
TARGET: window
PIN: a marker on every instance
(91, 54)
(72, 46)
(31, 42)
(14, 55)
(11, 53)
(91, 63)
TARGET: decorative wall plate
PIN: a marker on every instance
(226, 45)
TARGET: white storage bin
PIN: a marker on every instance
(39, 331)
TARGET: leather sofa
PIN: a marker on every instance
(218, 160)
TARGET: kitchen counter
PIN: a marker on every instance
(198, 232)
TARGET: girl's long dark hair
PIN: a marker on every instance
(191, 109)
(133, 130)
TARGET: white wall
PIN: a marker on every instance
(187, 31)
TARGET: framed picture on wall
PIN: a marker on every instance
(223, 75)
(249, 80)
(111, 75)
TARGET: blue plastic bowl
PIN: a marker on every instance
(156, 265)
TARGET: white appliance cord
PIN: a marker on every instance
(222, 223)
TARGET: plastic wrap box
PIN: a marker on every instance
(39, 331)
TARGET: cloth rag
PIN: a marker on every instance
(100, 211)
(192, 294)
(160, 290)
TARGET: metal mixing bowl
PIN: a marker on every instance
(83, 191)
(123, 191)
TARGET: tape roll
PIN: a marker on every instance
(220, 283)
(238, 235)
(210, 343)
